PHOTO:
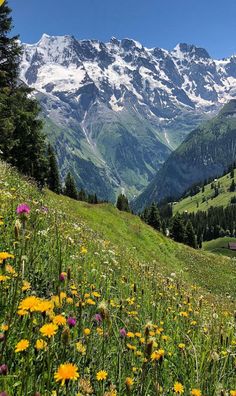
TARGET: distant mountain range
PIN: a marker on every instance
(206, 152)
(115, 111)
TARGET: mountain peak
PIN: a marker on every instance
(183, 49)
(129, 44)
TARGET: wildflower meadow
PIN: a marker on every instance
(78, 316)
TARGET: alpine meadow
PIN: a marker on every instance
(117, 204)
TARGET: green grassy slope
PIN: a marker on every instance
(108, 271)
(220, 246)
(135, 239)
(204, 200)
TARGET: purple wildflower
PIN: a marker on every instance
(62, 277)
(23, 209)
(3, 369)
(3, 393)
(123, 332)
(71, 322)
(98, 318)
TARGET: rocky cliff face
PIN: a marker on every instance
(116, 110)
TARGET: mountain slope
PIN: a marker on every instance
(132, 239)
(206, 152)
(207, 198)
(85, 304)
(122, 107)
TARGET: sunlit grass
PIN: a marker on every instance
(94, 302)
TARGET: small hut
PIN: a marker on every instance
(232, 246)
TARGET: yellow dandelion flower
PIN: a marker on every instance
(96, 294)
(5, 256)
(29, 304)
(10, 269)
(165, 338)
(131, 347)
(89, 301)
(4, 327)
(49, 330)
(44, 306)
(99, 331)
(22, 346)
(87, 332)
(101, 375)
(4, 278)
(62, 296)
(69, 300)
(196, 392)
(26, 286)
(130, 334)
(181, 346)
(56, 301)
(40, 344)
(232, 393)
(66, 372)
(178, 388)
(59, 320)
(184, 314)
(21, 312)
(81, 348)
(129, 382)
(157, 355)
(83, 250)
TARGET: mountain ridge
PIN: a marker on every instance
(120, 107)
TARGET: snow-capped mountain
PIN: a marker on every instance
(116, 110)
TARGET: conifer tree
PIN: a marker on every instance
(123, 203)
(21, 140)
(70, 187)
(53, 177)
(190, 238)
(10, 51)
(153, 218)
(82, 195)
(178, 229)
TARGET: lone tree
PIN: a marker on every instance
(70, 187)
(123, 203)
(53, 177)
(21, 139)
(178, 229)
(190, 238)
(153, 217)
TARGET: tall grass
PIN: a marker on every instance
(125, 328)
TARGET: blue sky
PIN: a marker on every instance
(155, 23)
